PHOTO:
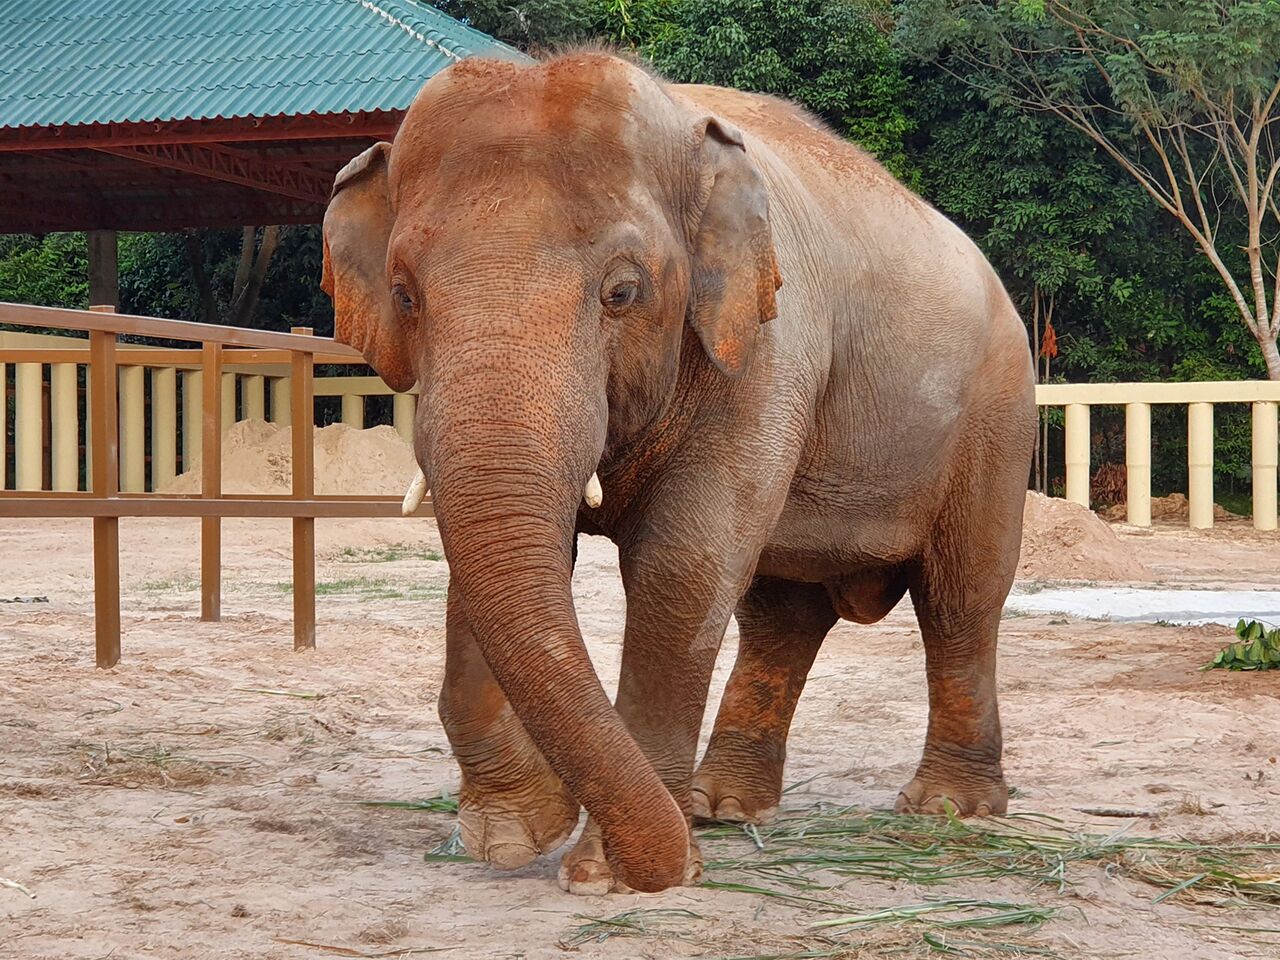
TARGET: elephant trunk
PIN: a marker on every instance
(506, 485)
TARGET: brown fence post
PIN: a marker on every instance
(304, 528)
(211, 483)
(105, 483)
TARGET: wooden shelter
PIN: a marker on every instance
(133, 115)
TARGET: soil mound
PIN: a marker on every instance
(257, 458)
(1062, 540)
(1173, 507)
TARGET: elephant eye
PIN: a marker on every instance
(401, 297)
(621, 295)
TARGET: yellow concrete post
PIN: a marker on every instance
(254, 397)
(192, 417)
(353, 410)
(1265, 442)
(4, 425)
(1200, 464)
(164, 425)
(228, 401)
(281, 409)
(65, 428)
(1137, 463)
(28, 426)
(133, 431)
(403, 408)
(1077, 453)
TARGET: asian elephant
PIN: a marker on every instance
(803, 391)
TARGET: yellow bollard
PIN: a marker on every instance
(28, 426)
(1137, 463)
(4, 425)
(353, 410)
(1265, 442)
(280, 399)
(403, 408)
(1200, 464)
(253, 397)
(192, 417)
(228, 401)
(164, 425)
(65, 428)
(1077, 453)
(133, 431)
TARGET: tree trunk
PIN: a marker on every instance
(246, 302)
(195, 259)
(1270, 356)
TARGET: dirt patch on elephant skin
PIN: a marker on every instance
(1062, 540)
(205, 798)
(257, 457)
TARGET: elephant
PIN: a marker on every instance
(803, 393)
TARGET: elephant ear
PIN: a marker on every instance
(357, 228)
(735, 270)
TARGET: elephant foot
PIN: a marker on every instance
(585, 871)
(509, 831)
(965, 796)
(741, 785)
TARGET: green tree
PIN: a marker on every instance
(832, 56)
(1180, 94)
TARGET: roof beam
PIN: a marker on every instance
(44, 213)
(379, 124)
(217, 162)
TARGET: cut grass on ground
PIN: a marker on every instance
(374, 588)
(387, 553)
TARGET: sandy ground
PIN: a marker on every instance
(170, 808)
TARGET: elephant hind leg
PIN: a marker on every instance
(781, 625)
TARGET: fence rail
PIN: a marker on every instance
(189, 395)
(1199, 399)
(114, 419)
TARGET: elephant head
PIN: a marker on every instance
(533, 250)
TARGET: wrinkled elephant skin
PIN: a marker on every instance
(804, 391)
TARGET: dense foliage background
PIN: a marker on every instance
(1077, 241)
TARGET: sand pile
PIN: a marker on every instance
(1173, 507)
(1062, 540)
(257, 458)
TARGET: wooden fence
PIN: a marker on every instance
(114, 418)
(71, 462)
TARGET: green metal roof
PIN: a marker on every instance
(70, 62)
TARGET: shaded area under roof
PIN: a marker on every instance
(137, 115)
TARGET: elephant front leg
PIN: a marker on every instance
(678, 606)
(781, 625)
(512, 806)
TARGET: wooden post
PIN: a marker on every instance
(1137, 462)
(28, 426)
(4, 426)
(304, 528)
(211, 481)
(105, 473)
(133, 453)
(88, 394)
(164, 425)
(228, 401)
(353, 410)
(1200, 464)
(403, 409)
(104, 286)
(1077, 453)
(192, 417)
(253, 397)
(280, 390)
(1265, 442)
(64, 411)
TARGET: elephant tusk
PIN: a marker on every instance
(414, 495)
(592, 493)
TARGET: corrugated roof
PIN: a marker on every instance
(70, 62)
